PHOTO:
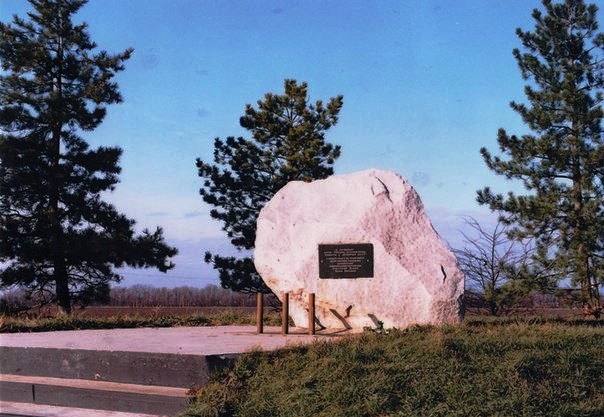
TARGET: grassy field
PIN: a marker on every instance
(505, 367)
(128, 317)
(158, 311)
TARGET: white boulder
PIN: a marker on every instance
(416, 279)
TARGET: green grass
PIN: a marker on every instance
(517, 367)
(13, 325)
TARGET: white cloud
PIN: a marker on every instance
(176, 219)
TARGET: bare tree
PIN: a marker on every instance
(492, 264)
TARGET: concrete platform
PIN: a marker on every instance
(145, 371)
(211, 340)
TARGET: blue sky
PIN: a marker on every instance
(425, 85)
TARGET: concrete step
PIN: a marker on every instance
(16, 409)
(87, 394)
(119, 381)
(145, 368)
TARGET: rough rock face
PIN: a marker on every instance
(416, 279)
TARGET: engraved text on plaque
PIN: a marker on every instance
(346, 260)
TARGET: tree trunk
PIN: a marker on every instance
(62, 288)
(57, 247)
(580, 257)
(580, 253)
(590, 296)
(54, 184)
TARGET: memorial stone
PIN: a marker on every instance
(364, 245)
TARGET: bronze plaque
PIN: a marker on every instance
(346, 260)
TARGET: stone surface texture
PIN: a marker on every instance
(416, 277)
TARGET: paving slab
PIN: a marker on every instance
(96, 385)
(211, 340)
(16, 409)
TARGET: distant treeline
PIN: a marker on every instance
(148, 296)
(16, 300)
(562, 298)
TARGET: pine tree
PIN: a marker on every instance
(57, 236)
(561, 164)
(287, 143)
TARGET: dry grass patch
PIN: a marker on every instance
(219, 318)
(481, 368)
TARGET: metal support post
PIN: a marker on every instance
(285, 313)
(311, 314)
(260, 313)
